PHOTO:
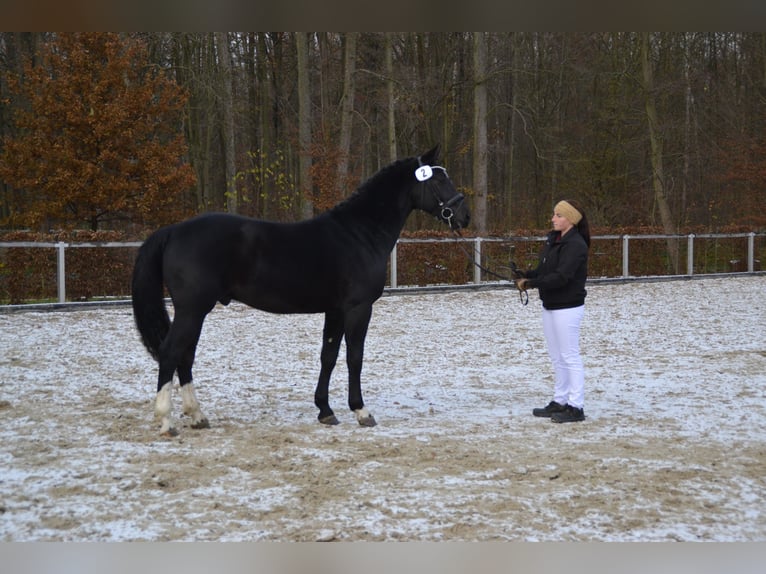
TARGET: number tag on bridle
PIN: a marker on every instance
(424, 172)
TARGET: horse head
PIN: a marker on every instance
(436, 194)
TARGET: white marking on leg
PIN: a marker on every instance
(364, 418)
(162, 407)
(191, 407)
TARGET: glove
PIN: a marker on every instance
(515, 271)
(521, 284)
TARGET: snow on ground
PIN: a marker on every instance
(673, 448)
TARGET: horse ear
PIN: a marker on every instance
(431, 157)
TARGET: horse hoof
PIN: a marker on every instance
(170, 433)
(202, 424)
(329, 420)
(368, 421)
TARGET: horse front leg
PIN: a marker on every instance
(356, 323)
(332, 335)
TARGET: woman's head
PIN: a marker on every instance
(567, 214)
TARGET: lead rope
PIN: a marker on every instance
(423, 174)
(523, 295)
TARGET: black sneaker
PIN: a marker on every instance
(569, 415)
(549, 409)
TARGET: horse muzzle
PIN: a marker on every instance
(454, 212)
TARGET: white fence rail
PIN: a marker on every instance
(472, 245)
(61, 248)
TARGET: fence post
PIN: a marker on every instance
(750, 252)
(61, 271)
(625, 255)
(393, 266)
(690, 254)
(477, 257)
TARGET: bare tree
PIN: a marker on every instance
(346, 110)
(304, 125)
(227, 126)
(563, 115)
(390, 96)
(480, 132)
(656, 144)
(513, 123)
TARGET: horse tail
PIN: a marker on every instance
(149, 312)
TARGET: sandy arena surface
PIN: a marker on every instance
(674, 446)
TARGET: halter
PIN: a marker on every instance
(425, 172)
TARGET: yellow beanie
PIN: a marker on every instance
(566, 209)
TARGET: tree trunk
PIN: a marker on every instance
(510, 213)
(251, 133)
(480, 132)
(266, 141)
(304, 126)
(688, 129)
(655, 140)
(226, 75)
(346, 112)
(392, 154)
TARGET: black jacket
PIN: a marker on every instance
(562, 270)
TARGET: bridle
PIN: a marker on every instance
(447, 212)
(423, 174)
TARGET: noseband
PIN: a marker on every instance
(423, 174)
(447, 213)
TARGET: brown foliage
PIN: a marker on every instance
(742, 183)
(324, 175)
(98, 138)
(30, 273)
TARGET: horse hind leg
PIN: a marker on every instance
(163, 405)
(177, 352)
(191, 407)
(189, 402)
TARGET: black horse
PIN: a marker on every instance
(334, 264)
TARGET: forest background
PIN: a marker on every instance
(125, 132)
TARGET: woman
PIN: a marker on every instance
(560, 280)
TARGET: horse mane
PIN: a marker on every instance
(375, 184)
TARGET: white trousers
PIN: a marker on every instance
(562, 334)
